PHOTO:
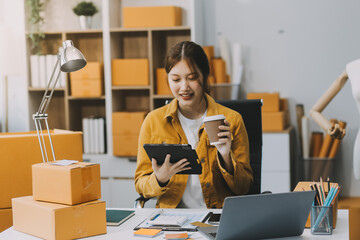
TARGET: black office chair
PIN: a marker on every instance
(250, 111)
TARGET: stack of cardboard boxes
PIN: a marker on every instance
(64, 202)
(126, 129)
(217, 67)
(19, 151)
(89, 81)
(275, 112)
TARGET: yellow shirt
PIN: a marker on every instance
(163, 126)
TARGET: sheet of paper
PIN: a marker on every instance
(191, 217)
(64, 162)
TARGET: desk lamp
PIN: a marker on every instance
(70, 59)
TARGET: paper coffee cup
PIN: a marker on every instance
(212, 124)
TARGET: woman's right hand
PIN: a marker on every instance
(164, 172)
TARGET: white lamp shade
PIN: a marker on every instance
(71, 59)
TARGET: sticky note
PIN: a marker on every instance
(143, 232)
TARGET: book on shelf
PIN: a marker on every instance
(94, 135)
(86, 138)
(35, 71)
(42, 71)
(115, 217)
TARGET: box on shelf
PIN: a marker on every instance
(210, 54)
(162, 86)
(271, 101)
(87, 87)
(92, 70)
(72, 184)
(89, 81)
(159, 16)
(130, 72)
(56, 221)
(275, 121)
(125, 145)
(21, 150)
(305, 186)
(125, 138)
(219, 69)
(127, 122)
(284, 104)
(5, 219)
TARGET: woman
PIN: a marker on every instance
(226, 169)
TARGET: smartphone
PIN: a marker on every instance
(214, 218)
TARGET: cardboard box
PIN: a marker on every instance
(284, 104)
(162, 86)
(305, 186)
(274, 121)
(271, 101)
(219, 69)
(211, 79)
(160, 16)
(130, 72)
(21, 150)
(127, 122)
(353, 204)
(5, 219)
(92, 70)
(125, 145)
(87, 87)
(56, 221)
(210, 53)
(72, 184)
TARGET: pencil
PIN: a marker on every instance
(317, 200)
(328, 183)
(336, 194)
(322, 188)
(318, 188)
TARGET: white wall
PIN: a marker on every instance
(13, 65)
(297, 48)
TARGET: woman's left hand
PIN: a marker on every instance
(224, 148)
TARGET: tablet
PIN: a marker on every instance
(177, 152)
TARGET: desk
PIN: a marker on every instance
(124, 231)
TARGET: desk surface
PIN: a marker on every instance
(124, 231)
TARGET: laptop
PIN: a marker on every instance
(262, 216)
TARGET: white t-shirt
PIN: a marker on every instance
(193, 196)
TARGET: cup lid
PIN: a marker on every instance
(214, 118)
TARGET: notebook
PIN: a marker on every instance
(117, 217)
(262, 216)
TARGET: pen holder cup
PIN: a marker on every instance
(305, 186)
(321, 220)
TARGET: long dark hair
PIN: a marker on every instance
(195, 57)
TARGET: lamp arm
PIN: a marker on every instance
(49, 89)
(41, 115)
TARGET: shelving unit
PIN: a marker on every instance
(110, 42)
(65, 111)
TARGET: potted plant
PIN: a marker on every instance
(85, 11)
(36, 22)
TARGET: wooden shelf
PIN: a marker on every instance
(163, 96)
(32, 89)
(85, 98)
(131, 87)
